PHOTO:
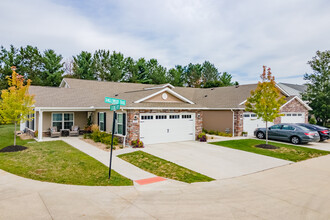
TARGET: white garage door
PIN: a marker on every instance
(162, 128)
(294, 117)
(251, 122)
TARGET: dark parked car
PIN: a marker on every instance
(288, 132)
(323, 132)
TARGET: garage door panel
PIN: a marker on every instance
(174, 128)
(293, 117)
(251, 122)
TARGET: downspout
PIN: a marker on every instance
(233, 122)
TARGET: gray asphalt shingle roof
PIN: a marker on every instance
(87, 93)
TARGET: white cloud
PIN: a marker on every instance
(238, 37)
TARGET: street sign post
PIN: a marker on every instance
(116, 103)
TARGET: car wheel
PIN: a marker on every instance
(295, 140)
(260, 135)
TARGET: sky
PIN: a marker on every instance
(239, 36)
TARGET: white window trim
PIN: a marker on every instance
(116, 124)
(62, 117)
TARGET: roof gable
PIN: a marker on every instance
(165, 90)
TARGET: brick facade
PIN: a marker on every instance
(238, 123)
(133, 121)
(293, 106)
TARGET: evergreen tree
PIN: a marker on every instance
(83, 66)
(318, 87)
(52, 70)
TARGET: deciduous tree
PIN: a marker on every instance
(16, 103)
(265, 101)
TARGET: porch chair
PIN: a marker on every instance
(54, 132)
(74, 131)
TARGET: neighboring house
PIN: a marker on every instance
(154, 113)
(293, 89)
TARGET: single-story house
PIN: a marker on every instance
(153, 113)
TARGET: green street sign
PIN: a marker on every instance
(114, 101)
(114, 107)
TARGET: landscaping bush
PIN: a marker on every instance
(202, 137)
(103, 137)
(107, 139)
(95, 127)
(87, 136)
(212, 132)
(312, 121)
(137, 144)
(95, 136)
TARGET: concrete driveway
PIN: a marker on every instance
(213, 161)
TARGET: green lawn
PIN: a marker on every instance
(56, 162)
(285, 151)
(163, 168)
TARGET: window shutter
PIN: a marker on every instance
(105, 121)
(98, 119)
(124, 124)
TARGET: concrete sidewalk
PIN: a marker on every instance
(124, 168)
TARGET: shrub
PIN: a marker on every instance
(106, 139)
(202, 137)
(212, 132)
(94, 128)
(137, 144)
(95, 136)
(87, 136)
(36, 133)
(312, 121)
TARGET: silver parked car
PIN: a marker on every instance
(288, 132)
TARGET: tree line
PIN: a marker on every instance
(48, 69)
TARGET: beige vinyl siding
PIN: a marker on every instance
(80, 119)
(109, 116)
(218, 120)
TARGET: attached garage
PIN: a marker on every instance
(251, 122)
(293, 117)
(167, 127)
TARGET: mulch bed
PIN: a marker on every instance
(13, 148)
(266, 146)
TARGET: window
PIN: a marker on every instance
(275, 127)
(147, 117)
(288, 114)
(287, 127)
(299, 114)
(62, 120)
(121, 124)
(174, 116)
(294, 114)
(246, 115)
(29, 122)
(253, 115)
(101, 121)
(161, 116)
(186, 116)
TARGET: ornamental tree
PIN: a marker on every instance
(16, 103)
(265, 101)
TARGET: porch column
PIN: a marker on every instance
(40, 126)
